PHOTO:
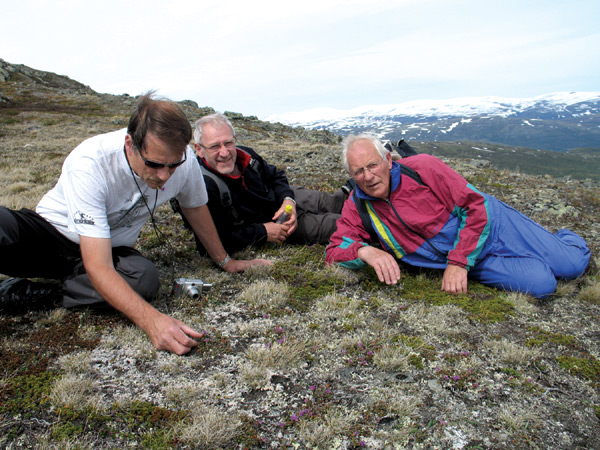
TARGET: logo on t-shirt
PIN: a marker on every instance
(83, 218)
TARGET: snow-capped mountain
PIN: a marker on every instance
(558, 121)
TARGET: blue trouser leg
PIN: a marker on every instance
(524, 256)
(523, 274)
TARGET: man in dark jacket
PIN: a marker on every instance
(246, 195)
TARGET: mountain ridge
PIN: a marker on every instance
(24, 90)
(559, 121)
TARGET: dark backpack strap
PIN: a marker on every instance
(361, 206)
(224, 193)
(409, 172)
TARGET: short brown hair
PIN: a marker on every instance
(161, 117)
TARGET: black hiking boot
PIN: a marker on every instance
(19, 295)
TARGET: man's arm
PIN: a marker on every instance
(166, 333)
(201, 222)
(349, 247)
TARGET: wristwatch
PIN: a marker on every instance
(225, 261)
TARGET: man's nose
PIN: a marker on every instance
(367, 174)
(164, 173)
(223, 151)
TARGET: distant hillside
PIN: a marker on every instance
(559, 122)
(24, 89)
(578, 163)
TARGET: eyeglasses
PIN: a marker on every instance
(157, 165)
(359, 173)
(229, 145)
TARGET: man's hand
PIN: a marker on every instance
(455, 279)
(276, 232)
(385, 265)
(167, 333)
(292, 222)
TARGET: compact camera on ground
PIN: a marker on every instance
(192, 287)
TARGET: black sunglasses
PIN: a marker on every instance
(157, 165)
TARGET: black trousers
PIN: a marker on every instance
(30, 247)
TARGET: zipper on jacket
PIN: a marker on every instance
(437, 250)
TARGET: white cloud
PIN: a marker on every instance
(267, 56)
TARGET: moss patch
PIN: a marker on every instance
(586, 367)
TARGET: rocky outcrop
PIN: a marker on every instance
(19, 72)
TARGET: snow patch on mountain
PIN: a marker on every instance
(458, 107)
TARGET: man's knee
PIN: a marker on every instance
(8, 226)
(139, 272)
(315, 228)
(148, 283)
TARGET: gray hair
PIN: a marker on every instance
(351, 139)
(215, 120)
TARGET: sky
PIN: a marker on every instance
(266, 57)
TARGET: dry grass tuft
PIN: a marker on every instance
(73, 391)
(395, 402)
(88, 441)
(590, 292)
(565, 289)
(261, 361)
(76, 363)
(522, 303)
(255, 272)
(514, 354)
(516, 418)
(347, 276)
(339, 310)
(53, 316)
(321, 432)
(282, 355)
(393, 357)
(266, 295)
(255, 376)
(210, 428)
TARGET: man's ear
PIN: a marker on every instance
(128, 144)
(199, 151)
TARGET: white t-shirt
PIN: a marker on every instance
(97, 195)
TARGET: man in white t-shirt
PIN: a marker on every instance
(84, 229)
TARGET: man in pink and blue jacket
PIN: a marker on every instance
(438, 220)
